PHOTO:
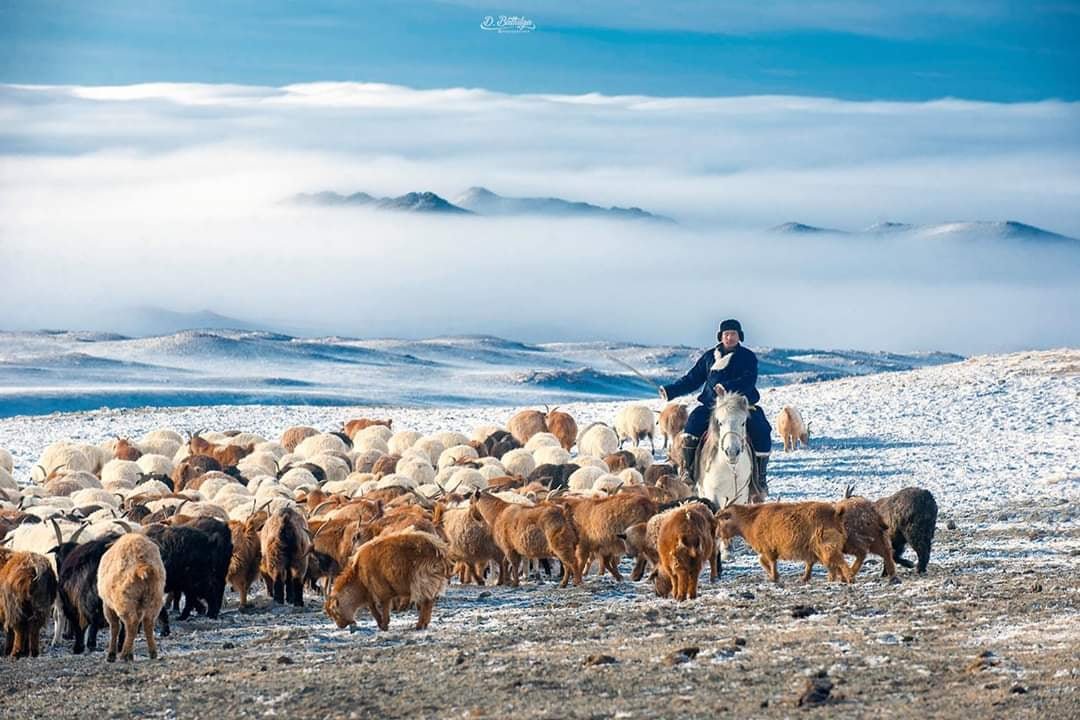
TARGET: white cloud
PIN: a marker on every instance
(170, 195)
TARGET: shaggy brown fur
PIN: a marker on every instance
(471, 545)
(192, 467)
(286, 548)
(562, 426)
(811, 532)
(617, 462)
(600, 522)
(296, 435)
(684, 543)
(865, 532)
(246, 554)
(393, 570)
(532, 533)
(124, 450)
(525, 424)
(672, 421)
(354, 426)
(27, 592)
(131, 582)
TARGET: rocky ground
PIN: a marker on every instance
(993, 630)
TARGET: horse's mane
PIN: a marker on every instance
(730, 402)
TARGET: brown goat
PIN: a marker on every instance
(131, 583)
(336, 539)
(619, 461)
(385, 465)
(601, 521)
(296, 435)
(685, 541)
(286, 547)
(672, 421)
(391, 571)
(246, 557)
(562, 426)
(191, 467)
(27, 592)
(226, 455)
(352, 427)
(865, 532)
(810, 532)
(124, 450)
(532, 533)
(523, 425)
(471, 544)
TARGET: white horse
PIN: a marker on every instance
(725, 460)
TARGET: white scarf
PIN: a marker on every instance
(722, 361)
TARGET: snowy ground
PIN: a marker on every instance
(994, 438)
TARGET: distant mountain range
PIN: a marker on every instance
(478, 201)
(422, 202)
(973, 230)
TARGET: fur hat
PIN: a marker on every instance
(730, 325)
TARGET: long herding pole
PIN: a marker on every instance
(632, 369)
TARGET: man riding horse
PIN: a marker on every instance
(733, 367)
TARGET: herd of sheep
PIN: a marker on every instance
(120, 534)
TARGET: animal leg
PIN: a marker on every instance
(131, 629)
(808, 571)
(882, 548)
(922, 550)
(277, 591)
(114, 631)
(860, 558)
(163, 618)
(898, 545)
(148, 633)
(613, 567)
(424, 607)
(639, 569)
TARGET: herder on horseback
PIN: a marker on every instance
(734, 368)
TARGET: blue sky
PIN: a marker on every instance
(999, 50)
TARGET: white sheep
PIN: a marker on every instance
(635, 422)
(450, 439)
(552, 454)
(608, 483)
(153, 463)
(120, 475)
(62, 454)
(401, 441)
(598, 440)
(630, 476)
(465, 480)
(7, 482)
(590, 461)
(584, 477)
(321, 443)
(419, 470)
(7, 462)
(395, 480)
(483, 432)
(379, 431)
(274, 448)
(518, 462)
(543, 439)
(334, 467)
(297, 477)
(643, 459)
(371, 442)
(433, 446)
(94, 496)
(455, 454)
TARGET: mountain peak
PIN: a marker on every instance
(800, 228)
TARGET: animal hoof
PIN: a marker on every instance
(111, 658)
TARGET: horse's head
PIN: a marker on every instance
(729, 421)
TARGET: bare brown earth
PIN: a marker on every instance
(993, 630)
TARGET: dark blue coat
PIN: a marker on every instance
(740, 375)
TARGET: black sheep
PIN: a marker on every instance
(911, 517)
(221, 539)
(554, 477)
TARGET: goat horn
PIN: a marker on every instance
(56, 529)
(176, 510)
(425, 501)
(265, 504)
(75, 535)
(125, 525)
(320, 507)
(44, 473)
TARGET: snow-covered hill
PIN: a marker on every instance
(65, 371)
(969, 231)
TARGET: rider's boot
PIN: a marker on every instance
(689, 451)
(760, 487)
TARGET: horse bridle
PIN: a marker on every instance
(720, 444)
